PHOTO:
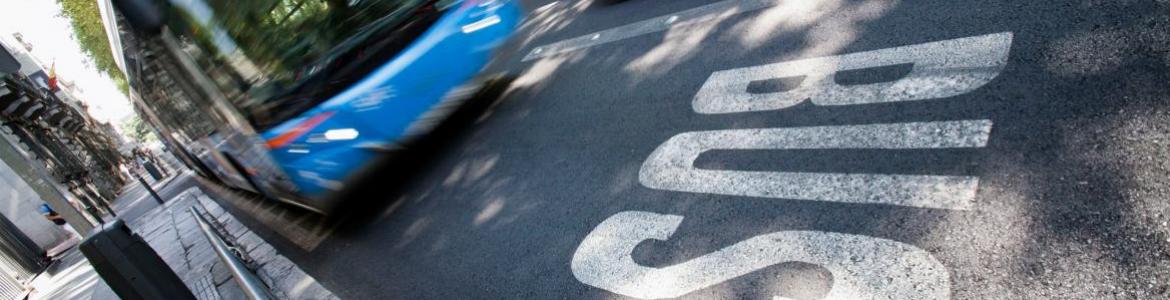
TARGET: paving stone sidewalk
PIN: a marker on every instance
(70, 277)
(175, 235)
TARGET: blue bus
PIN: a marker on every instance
(291, 99)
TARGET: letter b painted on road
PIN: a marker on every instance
(940, 69)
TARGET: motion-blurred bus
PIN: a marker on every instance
(293, 99)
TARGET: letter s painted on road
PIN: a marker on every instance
(863, 267)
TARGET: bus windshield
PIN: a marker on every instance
(287, 56)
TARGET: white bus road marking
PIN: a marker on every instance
(863, 267)
(671, 165)
(647, 26)
(940, 69)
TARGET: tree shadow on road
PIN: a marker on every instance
(1073, 180)
(1075, 173)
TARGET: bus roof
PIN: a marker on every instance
(109, 22)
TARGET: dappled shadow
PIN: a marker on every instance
(398, 169)
(1073, 180)
(1096, 183)
(1075, 173)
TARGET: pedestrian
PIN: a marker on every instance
(51, 214)
(71, 236)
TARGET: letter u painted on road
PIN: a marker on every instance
(863, 267)
(671, 166)
(940, 69)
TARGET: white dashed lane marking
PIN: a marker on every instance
(648, 26)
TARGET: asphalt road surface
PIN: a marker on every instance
(781, 150)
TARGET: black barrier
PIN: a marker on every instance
(129, 266)
(153, 170)
(149, 189)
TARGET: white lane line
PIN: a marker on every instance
(647, 26)
(546, 7)
(671, 166)
(940, 69)
(863, 267)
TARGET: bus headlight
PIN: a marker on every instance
(481, 24)
(343, 134)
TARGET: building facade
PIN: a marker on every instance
(51, 152)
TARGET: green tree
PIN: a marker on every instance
(138, 130)
(83, 15)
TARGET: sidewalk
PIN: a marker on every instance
(134, 201)
(174, 234)
(71, 277)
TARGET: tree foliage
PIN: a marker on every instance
(136, 129)
(83, 15)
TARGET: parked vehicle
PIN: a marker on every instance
(299, 95)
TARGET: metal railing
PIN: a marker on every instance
(251, 285)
